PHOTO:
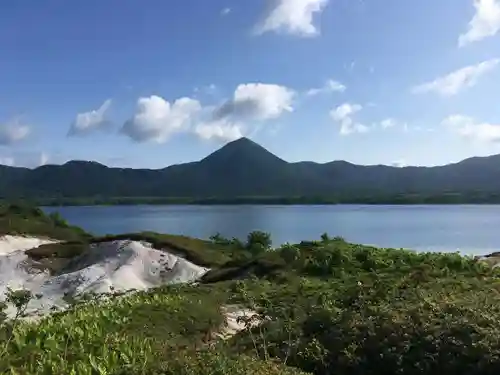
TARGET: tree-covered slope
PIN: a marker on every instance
(243, 168)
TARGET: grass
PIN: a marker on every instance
(362, 310)
(159, 331)
(326, 307)
(20, 219)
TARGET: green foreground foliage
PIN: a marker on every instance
(23, 219)
(324, 307)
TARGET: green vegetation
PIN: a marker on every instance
(470, 197)
(324, 307)
(242, 172)
(24, 219)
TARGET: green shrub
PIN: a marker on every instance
(220, 363)
(58, 220)
(289, 253)
(23, 219)
(326, 307)
(258, 242)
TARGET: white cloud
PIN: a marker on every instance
(343, 115)
(225, 11)
(293, 17)
(87, 122)
(8, 161)
(252, 104)
(256, 101)
(156, 119)
(219, 130)
(388, 123)
(484, 24)
(13, 132)
(344, 111)
(391, 123)
(468, 127)
(329, 87)
(454, 82)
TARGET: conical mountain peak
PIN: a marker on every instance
(242, 150)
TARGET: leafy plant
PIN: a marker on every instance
(323, 307)
(258, 242)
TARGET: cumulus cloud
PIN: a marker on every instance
(219, 130)
(252, 103)
(256, 101)
(225, 11)
(156, 119)
(344, 114)
(468, 127)
(344, 111)
(294, 17)
(13, 132)
(485, 22)
(452, 83)
(88, 122)
(329, 87)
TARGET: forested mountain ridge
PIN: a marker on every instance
(244, 168)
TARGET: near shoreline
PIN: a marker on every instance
(409, 199)
(322, 307)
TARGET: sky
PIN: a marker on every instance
(147, 84)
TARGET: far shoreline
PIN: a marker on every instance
(400, 200)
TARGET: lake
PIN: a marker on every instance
(470, 229)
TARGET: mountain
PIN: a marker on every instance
(244, 168)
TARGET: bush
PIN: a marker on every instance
(22, 219)
(258, 242)
(326, 307)
(58, 220)
(421, 337)
(289, 253)
(379, 311)
(220, 363)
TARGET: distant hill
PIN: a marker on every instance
(243, 168)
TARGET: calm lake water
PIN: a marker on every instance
(469, 229)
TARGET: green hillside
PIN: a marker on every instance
(243, 170)
(325, 307)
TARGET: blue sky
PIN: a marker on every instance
(154, 83)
